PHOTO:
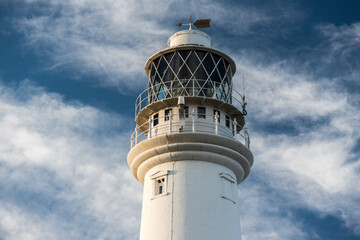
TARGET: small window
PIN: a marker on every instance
(201, 112)
(159, 186)
(218, 114)
(186, 111)
(227, 121)
(156, 119)
(167, 113)
(159, 180)
(228, 184)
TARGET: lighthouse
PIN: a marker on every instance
(190, 148)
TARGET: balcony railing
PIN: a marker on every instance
(175, 123)
(190, 88)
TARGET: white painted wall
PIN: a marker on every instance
(193, 207)
(188, 37)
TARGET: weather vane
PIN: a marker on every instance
(200, 23)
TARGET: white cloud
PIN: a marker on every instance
(344, 38)
(315, 168)
(339, 53)
(15, 224)
(112, 39)
(64, 170)
(263, 215)
(277, 92)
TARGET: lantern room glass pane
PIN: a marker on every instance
(208, 64)
(168, 56)
(156, 78)
(176, 63)
(215, 77)
(152, 70)
(184, 53)
(156, 62)
(162, 92)
(192, 62)
(162, 67)
(215, 57)
(208, 89)
(200, 73)
(169, 75)
(200, 54)
(221, 68)
(184, 73)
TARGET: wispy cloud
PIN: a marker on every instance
(344, 51)
(112, 39)
(315, 168)
(63, 169)
(344, 39)
(263, 211)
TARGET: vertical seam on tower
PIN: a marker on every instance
(172, 201)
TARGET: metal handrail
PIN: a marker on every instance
(217, 127)
(148, 95)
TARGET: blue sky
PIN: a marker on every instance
(70, 72)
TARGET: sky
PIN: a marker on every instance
(70, 71)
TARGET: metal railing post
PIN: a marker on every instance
(132, 140)
(247, 138)
(193, 120)
(216, 123)
(136, 134)
(149, 128)
(170, 121)
(235, 128)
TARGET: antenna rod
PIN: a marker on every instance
(243, 85)
(243, 97)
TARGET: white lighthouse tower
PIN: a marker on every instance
(190, 149)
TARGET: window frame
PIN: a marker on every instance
(214, 112)
(227, 121)
(186, 111)
(228, 181)
(201, 115)
(160, 181)
(166, 114)
(155, 119)
(159, 186)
